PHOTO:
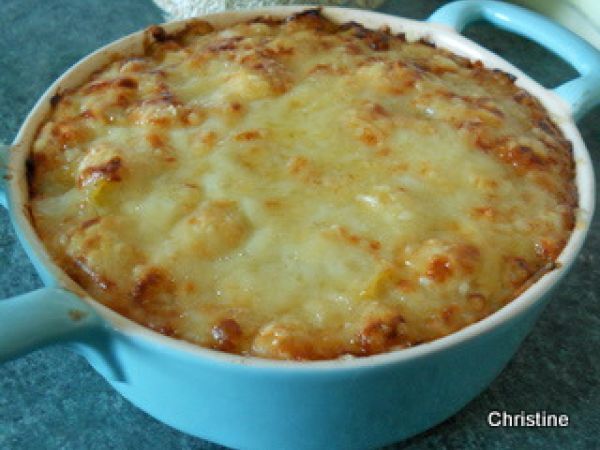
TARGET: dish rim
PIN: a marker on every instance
(443, 37)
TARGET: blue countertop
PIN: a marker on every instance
(52, 399)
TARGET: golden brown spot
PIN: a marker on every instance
(209, 138)
(439, 269)
(312, 19)
(109, 171)
(128, 83)
(156, 140)
(226, 335)
(92, 242)
(521, 156)
(279, 341)
(272, 70)
(376, 40)
(441, 70)
(297, 164)
(428, 43)
(279, 50)
(380, 333)
(267, 20)
(225, 44)
(162, 121)
(470, 125)
(192, 116)
(547, 126)
(157, 33)
(70, 132)
(549, 248)
(524, 98)
(304, 169)
(467, 256)
(353, 49)
(349, 237)
(487, 212)
(405, 285)
(122, 100)
(197, 27)
(400, 87)
(31, 169)
(369, 137)
(153, 282)
(379, 110)
(519, 270)
(88, 223)
(249, 135)
(485, 141)
(328, 69)
(321, 68)
(189, 287)
(273, 203)
(488, 105)
(55, 100)
(375, 245)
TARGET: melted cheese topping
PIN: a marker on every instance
(301, 190)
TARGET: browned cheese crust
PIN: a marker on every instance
(298, 189)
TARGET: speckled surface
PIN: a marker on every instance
(51, 399)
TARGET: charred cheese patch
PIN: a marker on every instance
(301, 190)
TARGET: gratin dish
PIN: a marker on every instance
(251, 403)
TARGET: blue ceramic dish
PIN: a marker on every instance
(251, 403)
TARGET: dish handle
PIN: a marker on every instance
(582, 93)
(55, 316)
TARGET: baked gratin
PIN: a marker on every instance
(299, 189)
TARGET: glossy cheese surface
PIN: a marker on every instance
(301, 190)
